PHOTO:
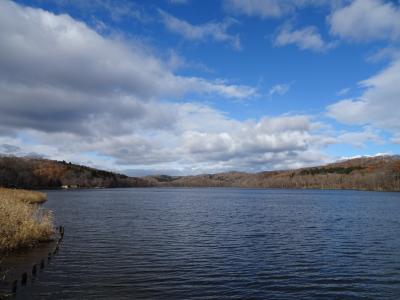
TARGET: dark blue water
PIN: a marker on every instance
(223, 244)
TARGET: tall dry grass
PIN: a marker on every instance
(22, 222)
(26, 196)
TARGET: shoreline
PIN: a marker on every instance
(220, 187)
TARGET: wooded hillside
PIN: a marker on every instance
(380, 173)
(32, 173)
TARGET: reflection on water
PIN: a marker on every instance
(223, 244)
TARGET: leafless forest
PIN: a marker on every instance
(380, 173)
(374, 173)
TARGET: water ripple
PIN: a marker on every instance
(223, 244)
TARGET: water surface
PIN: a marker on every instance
(223, 244)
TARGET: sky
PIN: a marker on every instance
(199, 86)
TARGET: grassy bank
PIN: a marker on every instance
(22, 222)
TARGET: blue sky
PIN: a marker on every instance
(186, 87)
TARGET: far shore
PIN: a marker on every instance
(222, 187)
(378, 173)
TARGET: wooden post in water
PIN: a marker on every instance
(14, 286)
(42, 264)
(61, 230)
(24, 279)
(34, 270)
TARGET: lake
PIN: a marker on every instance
(221, 243)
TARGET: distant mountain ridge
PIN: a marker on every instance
(380, 173)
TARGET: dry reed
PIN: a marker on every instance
(22, 222)
(31, 197)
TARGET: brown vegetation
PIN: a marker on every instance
(30, 197)
(35, 173)
(367, 173)
(380, 173)
(22, 222)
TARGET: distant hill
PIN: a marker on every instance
(381, 173)
(35, 173)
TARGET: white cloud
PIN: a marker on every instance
(177, 62)
(268, 8)
(365, 20)
(384, 54)
(279, 89)
(360, 138)
(377, 105)
(360, 156)
(307, 38)
(58, 74)
(343, 92)
(396, 139)
(212, 30)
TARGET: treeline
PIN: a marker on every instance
(368, 173)
(33, 173)
(337, 170)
